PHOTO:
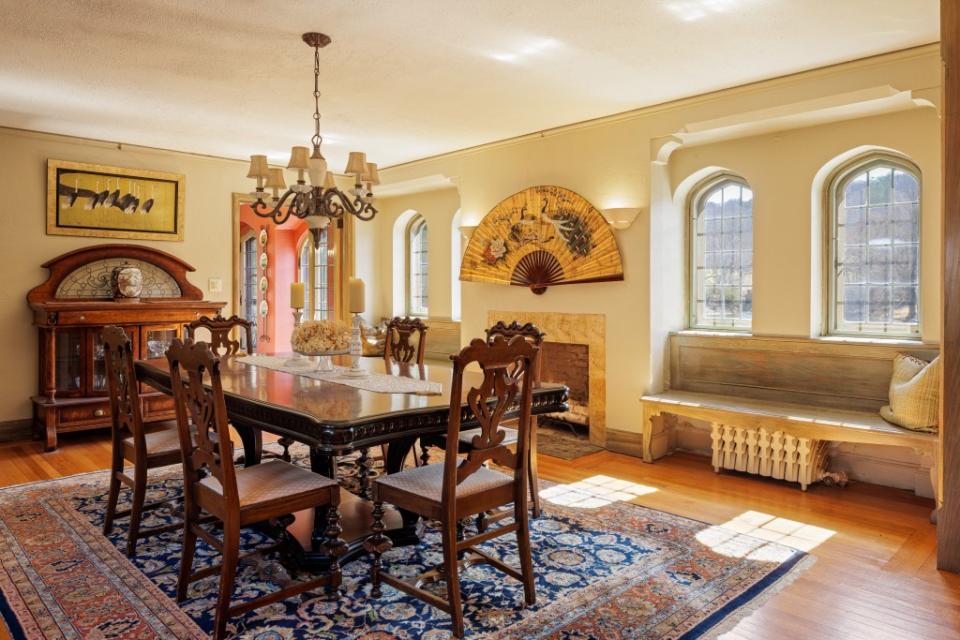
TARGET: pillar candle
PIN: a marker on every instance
(356, 295)
(296, 295)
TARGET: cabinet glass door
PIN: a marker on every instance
(98, 371)
(156, 339)
(69, 360)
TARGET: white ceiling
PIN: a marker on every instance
(404, 79)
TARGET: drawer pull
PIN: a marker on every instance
(99, 413)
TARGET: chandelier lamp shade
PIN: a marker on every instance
(315, 196)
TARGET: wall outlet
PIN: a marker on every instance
(215, 285)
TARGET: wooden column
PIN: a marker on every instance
(948, 520)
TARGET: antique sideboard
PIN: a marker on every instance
(71, 308)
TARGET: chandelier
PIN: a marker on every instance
(320, 201)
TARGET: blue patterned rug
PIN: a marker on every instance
(608, 570)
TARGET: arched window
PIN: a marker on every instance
(417, 267)
(874, 252)
(721, 254)
(314, 270)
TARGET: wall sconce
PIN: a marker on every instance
(621, 217)
(466, 232)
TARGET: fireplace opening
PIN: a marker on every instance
(569, 364)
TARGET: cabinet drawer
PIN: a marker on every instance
(84, 415)
(157, 407)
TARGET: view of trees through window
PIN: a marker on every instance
(876, 250)
(722, 256)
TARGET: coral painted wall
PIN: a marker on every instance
(273, 331)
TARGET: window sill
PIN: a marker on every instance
(914, 342)
(733, 333)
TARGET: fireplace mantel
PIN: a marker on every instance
(575, 328)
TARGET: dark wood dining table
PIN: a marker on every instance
(334, 419)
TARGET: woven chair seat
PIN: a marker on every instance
(272, 481)
(165, 440)
(427, 482)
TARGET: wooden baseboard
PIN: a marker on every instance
(12, 430)
(628, 442)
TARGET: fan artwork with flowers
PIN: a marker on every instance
(540, 237)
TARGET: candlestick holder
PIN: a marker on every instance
(356, 351)
(297, 360)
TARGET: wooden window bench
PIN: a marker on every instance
(774, 404)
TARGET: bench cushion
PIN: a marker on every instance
(801, 420)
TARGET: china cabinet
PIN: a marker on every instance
(71, 308)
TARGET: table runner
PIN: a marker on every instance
(377, 382)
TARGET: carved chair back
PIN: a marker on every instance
(202, 419)
(126, 418)
(529, 331)
(507, 368)
(400, 346)
(222, 342)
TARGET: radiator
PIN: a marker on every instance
(775, 455)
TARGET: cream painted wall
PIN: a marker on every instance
(609, 162)
(25, 245)
(781, 168)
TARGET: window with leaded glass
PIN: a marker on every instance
(874, 252)
(721, 255)
(313, 270)
(248, 287)
(417, 267)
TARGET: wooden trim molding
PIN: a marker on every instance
(15, 430)
(948, 517)
(626, 442)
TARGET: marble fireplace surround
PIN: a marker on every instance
(575, 328)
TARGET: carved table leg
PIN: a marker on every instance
(325, 465)
(252, 443)
(363, 473)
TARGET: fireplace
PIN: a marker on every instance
(576, 344)
(568, 363)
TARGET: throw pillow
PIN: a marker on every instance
(914, 394)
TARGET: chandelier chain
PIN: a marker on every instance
(317, 138)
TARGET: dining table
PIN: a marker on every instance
(335, 419)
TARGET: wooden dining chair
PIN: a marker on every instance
(454, 490)
(225, 345)
(532, 334)
(399, 345)
(131, 442)
(236, 497)
(222, 342)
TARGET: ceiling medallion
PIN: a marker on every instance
(321, 201)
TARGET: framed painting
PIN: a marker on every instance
(110, 202)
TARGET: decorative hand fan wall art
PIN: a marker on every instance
(540, 237)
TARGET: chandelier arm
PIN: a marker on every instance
(278, 213)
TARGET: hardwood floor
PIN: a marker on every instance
(875, 575)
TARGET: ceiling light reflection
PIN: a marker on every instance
(530, 49)
(691, 10)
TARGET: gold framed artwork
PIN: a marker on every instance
(112, 202)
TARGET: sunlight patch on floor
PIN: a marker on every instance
(594, 492)
(731, 538)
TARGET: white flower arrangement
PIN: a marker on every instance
(321, 336)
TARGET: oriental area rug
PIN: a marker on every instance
(605, 569)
